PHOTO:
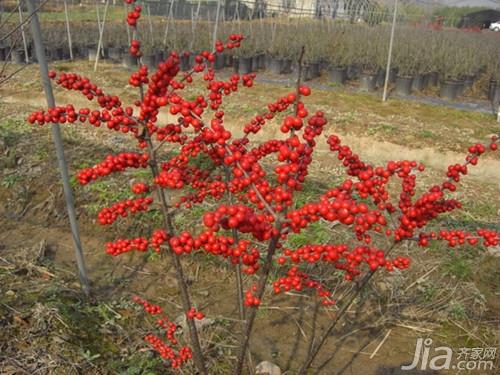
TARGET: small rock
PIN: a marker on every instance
(10, 293)
(267, 368)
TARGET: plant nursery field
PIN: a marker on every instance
(450, 295)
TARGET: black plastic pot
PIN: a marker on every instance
(255, 62)
(228, 61)
(495, 100)
(55, 54)
(418, 83)
(219, 61)
(185, 65)
(467, 84)
(91, 53)
(274, 65)
(17, 56)
(261, 61)
(149, 60)
(352, 72)
(286, 66)
(314, 69)
(380, 78)
(192, 59)
(403, 85)
(307, 73)
(104, 53)
(66, 54)
(245, 65)
(450, 89)
(78, 52)
(433, 79)
(393, 75)
(160, 56)
(491, 89)
(129, 61)
(367, 82)
(115, 54)
(338, 75)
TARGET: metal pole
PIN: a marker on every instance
(70, 43)
(101, 32)
(214, 38)
(98, 14)
(169, 18)
(56, 134)
(25, 44)
(150, 26)
(389, 57)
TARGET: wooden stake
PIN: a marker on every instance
(169, 19)
(56, 135)
(70, 43)
(101, 32)
(25, 44)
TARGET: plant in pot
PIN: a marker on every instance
(364, 53)
(472, 58)
(451, 68)
(434, 47)
(382, 33)
(337, 56)
(259, 36)
(58, 42)
(405, 60)
(495, 75)
(115, 39)
(422, 42)
(314, 39)
(243, 57)
(149, 54)
(280, 50)
(179, 40)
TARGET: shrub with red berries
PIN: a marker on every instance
(253, 187)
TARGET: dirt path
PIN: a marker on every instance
(367, 147)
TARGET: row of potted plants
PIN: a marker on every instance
(420, 56)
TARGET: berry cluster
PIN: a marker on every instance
(251, 300)
(297, 280)
(195, 314)
(260, 181)
(148, 307)
(459, 237)
(165, 348)
(122, 246)
(111, 164)
(133, 16)
(158, 237)
(108, 215)
(239, 217)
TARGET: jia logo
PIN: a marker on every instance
(443, 358)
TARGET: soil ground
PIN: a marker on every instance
(48, 327)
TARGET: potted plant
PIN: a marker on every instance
(405, 60)
(280, 51)
(450, 68)
(365, 51)
(337, 55)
